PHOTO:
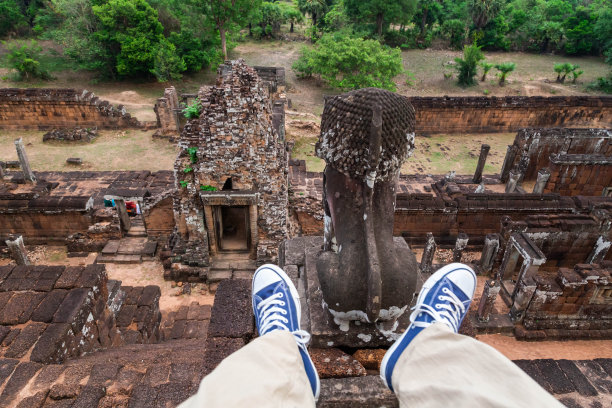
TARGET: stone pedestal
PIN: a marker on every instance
(299, 258)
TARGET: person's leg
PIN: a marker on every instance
(432, 366)
(441, 368)
(274, 369)
(266, 372)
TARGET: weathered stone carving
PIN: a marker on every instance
(365, 137)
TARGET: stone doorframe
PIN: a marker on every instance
(230, 198)
(519, 246)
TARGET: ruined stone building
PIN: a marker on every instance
(231, 176)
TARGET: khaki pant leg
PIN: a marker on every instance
(443, 369)
(268, 372)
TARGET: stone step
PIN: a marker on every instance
(105, 258)
(111, 247)
(127, 259)
(136, 233)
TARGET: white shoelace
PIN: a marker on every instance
(448, 314)
(272, 315)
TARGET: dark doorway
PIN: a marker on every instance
(233, 228)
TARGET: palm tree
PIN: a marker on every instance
(504, 69)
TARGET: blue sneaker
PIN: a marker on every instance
(276, 306)
(445, 297)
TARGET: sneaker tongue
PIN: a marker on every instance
(269, 290)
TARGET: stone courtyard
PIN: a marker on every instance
(151, 289)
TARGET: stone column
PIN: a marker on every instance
(543, 176)
(28, 174)
(489, 252)
(428, 254)
(460, 244)
(484, 151)
(487, 301)
(513, 179)
(508, 162)
(18, 250)
(522, 297)
(124, 218)
(1, 171)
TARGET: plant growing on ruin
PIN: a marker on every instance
(504, 69)
(486, 67)
(468, 65)
(187, 169)
(208, 188)
(193, 111)
(192, 152)
(24, 58)
(183, 183)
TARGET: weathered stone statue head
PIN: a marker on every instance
(365, 137)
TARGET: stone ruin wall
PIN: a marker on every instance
(48, 108)
(44, 220)
(479, 114)
(572, 174)
(573, 303)
(49, 314)
(532, 148)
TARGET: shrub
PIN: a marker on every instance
(467, 66)
(504, 69)
(486, 67)
(563, 70)
(575, 73)
(346, 62)
(24, 58)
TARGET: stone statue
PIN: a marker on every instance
(365, 137)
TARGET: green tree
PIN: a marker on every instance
(483, 11)
(603, 32)
(351, 63)
(579, 31)
(10, 17)
(292, 15)
(316, 9)
(131, 33)
(454, 31)
(24, 58)
(486, 67)
(228, 13)
(468, 65)
(269, 18)
(167, 64)
(381, 13)
(504, 69)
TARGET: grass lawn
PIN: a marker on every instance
(113, 150)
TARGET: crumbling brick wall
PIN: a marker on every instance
(573, 303)
(579, 174)
(481, 114)
(48, 108)
(44, 219)
(532, 148)
(49, 314)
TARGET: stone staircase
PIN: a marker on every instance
(231, 265)
(128, 250)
